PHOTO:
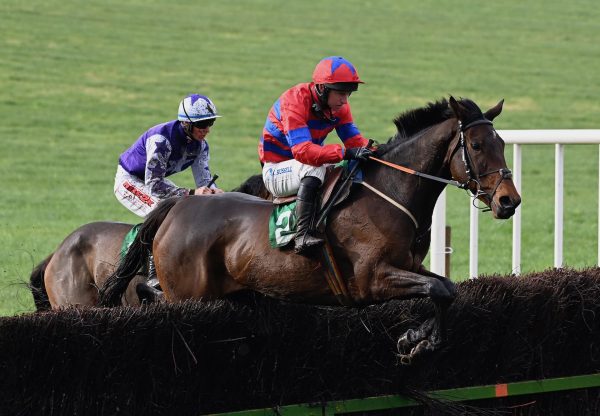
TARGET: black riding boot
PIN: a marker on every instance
(152, 278)
(305, 207)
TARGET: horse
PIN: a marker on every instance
(207, 248)
(73, 274)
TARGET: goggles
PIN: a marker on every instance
(202, 124)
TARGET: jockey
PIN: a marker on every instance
(291, 148)
(165, 149)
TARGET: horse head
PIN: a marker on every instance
(476, 158)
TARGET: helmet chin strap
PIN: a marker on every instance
(320, 107)
(190, 127)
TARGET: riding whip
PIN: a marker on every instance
(212, 181)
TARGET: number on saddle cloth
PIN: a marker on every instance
(283, 220)
(282, 224)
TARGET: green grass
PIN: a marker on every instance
(81, 80)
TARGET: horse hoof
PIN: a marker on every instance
(405, 341)
(418, 351)
(421, 347)
(405, 359)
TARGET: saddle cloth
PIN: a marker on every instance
(283, 221)
(128, 239)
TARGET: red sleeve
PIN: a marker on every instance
(315, 155)
(357, 141)
(347, 130)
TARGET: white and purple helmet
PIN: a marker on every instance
(196, 107)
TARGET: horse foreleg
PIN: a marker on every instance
(402, 284)
(428, 337)
(447, 282)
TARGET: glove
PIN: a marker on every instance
(361, 153)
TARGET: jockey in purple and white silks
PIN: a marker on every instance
(141, 181)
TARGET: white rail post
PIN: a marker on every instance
(558, 205)
(516, 236)
(518, 138)
(473, 239)
(438, 237)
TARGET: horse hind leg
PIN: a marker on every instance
(68, 280)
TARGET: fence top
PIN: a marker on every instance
(565, 136)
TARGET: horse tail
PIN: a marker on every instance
(255, 186)
(37, 286)
(137, 255)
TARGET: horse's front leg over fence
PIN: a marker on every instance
(392, 283)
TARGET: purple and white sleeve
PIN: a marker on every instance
(200, 169)
(158, 150)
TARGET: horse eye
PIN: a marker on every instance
(475, 146)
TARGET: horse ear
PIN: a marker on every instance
(493, 112)
(455, 106)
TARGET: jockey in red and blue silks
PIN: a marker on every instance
(291, 147)
(165, 149)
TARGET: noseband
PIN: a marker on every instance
(471, 177)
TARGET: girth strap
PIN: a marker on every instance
(334, 277)
(394, 203)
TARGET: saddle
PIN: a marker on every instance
(333, 181)
(282, 223)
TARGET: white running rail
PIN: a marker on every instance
(517, 138)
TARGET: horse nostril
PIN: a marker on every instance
(506, 202)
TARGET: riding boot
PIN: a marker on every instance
(152, 277)
(305, 209)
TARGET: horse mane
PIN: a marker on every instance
(413, 121)
(417, 120)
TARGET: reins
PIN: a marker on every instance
(504, 173)
(417, 173)
(465, 157)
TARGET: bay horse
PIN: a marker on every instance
(73, 274)
(207, 248)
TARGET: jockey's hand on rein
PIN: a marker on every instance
(362, 153)
(203, 190)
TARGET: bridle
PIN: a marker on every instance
(468, 164)
(471, 175)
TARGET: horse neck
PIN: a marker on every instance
(427, 152)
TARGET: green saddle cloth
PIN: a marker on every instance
(282, 224)
(129, 237)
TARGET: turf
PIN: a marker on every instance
(81, 81)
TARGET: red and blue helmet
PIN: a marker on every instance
(336, 73)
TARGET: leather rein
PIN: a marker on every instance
(468, 164)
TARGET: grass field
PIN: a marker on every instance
(81, 81)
